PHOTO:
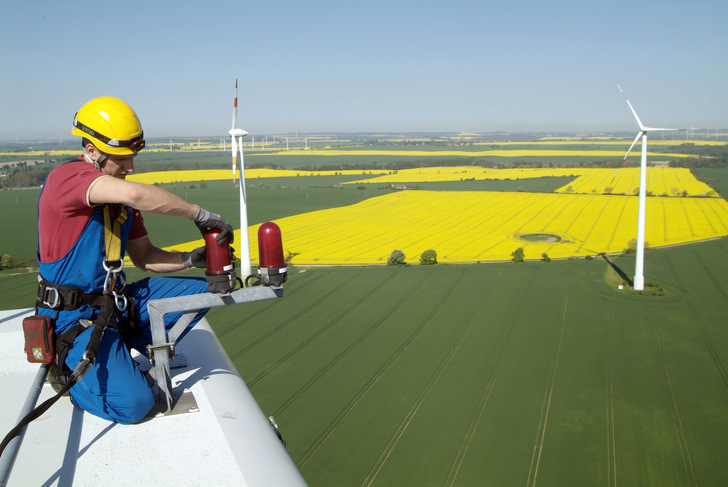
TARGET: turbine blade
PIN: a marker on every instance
(626, 155)
(639, 122)
(662, 129)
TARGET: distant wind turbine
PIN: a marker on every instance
(237, 135)
(639, 278)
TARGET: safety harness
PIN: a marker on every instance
(112, 303)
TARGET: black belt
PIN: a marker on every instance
(64, 298)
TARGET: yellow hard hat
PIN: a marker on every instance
(111, 124)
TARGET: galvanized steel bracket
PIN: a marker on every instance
(162, 348)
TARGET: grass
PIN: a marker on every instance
(498, 374)
(495, 374)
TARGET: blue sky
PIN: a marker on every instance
(376, 66)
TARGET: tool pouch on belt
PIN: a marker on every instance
(39, 340)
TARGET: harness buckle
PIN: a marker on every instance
(56, 297)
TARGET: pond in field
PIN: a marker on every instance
(540, 237)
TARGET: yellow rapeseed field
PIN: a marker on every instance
(470, 226)
(481, 153)
(660, 181)
(488, 226)
(221, 174)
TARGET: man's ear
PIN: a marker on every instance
(92, 151)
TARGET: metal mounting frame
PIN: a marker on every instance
(163, 341)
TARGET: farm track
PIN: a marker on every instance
(286, 404)
(269, 304)
(593, 225)
(321, 330)
(479, 221)
(614, 232)
(712, 277)
(556, 216)
(286, 323)
(611, 430)
(722, 219)
(687, 218)
(428, 387)
(536, 215)
(485, 396)
(494, 215)
(699, 323)
(674, 406)
(546, 406)
(513, 217)
(705, 215)
(374, 379)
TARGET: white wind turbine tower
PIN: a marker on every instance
(639, 278)
(237, 135)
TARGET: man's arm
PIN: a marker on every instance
(143, 197)
(147, 197)
(147, 257)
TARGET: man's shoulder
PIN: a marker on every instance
(75, 166)
(75, 172)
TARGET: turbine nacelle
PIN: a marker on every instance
(235, 132)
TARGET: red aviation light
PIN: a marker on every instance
(272, 268)
(220, 272)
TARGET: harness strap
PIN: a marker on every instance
(112, 232)
(64, 298)
(63, 345)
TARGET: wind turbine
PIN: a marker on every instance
(237, 135)
(639, 278)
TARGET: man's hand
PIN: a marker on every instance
(196, 258)
(205, 219)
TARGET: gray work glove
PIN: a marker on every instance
(196, 258)
(205, 220)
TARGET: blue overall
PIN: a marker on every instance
(113, 388)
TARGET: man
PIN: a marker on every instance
(86, 207)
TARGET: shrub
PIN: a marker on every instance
(8, 262)
(396, 259)
(428, 257)
(545, 257)
(517, 255)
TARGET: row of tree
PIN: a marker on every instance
(397, 258)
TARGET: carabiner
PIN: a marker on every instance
(120, 298)
(113, 270)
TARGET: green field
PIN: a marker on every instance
(498, 374)
(486, 374)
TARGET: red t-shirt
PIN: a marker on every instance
(64, 210)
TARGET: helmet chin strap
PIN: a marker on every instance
(97, 162)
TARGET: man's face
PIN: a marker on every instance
(118, 166)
